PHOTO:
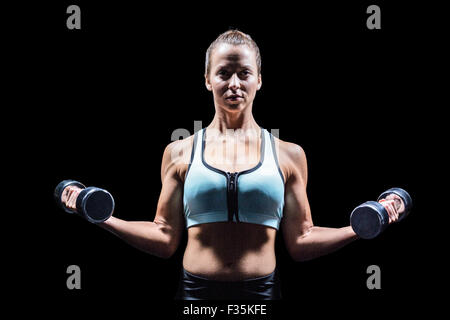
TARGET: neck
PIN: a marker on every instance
(224, 120)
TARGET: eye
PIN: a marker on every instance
(222, 72)
(245, 73)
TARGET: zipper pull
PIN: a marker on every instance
(233, 181)
(229, 180)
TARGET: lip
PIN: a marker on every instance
(233, 97)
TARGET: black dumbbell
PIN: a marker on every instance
(94, 204)
(369, 219)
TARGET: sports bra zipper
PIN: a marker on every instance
(232, 196)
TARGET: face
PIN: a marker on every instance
(233, 77)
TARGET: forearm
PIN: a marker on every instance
(147, 236)
(320, 241)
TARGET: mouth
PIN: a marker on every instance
(234, 97)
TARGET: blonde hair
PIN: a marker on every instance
(234, 37)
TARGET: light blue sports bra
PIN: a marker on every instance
(255, 195)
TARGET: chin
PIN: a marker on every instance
(234, 107)
(234, 104)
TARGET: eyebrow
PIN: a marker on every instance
(248, 66)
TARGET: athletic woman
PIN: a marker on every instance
(232, 185)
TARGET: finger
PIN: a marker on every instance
(64, 196)
(69, 199)
(397, 215)
(390, 213)
(73, 198)
(390, 209)
(384, 204)
(394, 211)
(69, 195)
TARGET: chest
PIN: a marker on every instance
(232, 155)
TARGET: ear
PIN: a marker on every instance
(207, 83)
(259, 82)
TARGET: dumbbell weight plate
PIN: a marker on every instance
(59, 190)
(369, 219)
(95, 204)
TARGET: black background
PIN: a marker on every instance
(99, 105)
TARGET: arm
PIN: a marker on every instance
(303, 240)
(161, 236)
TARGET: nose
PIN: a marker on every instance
(234, 83)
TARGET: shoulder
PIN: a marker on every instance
(292, 158)
(178, 149)
(177, 156)
(291, 151)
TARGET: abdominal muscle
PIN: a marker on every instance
(230, 251)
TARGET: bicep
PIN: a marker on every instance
(297, 220)
(169, 211)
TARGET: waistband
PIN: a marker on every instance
(263, 279)
(194, 287)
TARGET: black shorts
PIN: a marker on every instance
(193, 287)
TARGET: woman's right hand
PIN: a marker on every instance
(69, 196)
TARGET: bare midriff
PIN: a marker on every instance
(230, 251)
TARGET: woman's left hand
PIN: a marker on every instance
(394, 207)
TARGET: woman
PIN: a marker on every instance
(232, 202)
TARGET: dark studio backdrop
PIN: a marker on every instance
(102, 103)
